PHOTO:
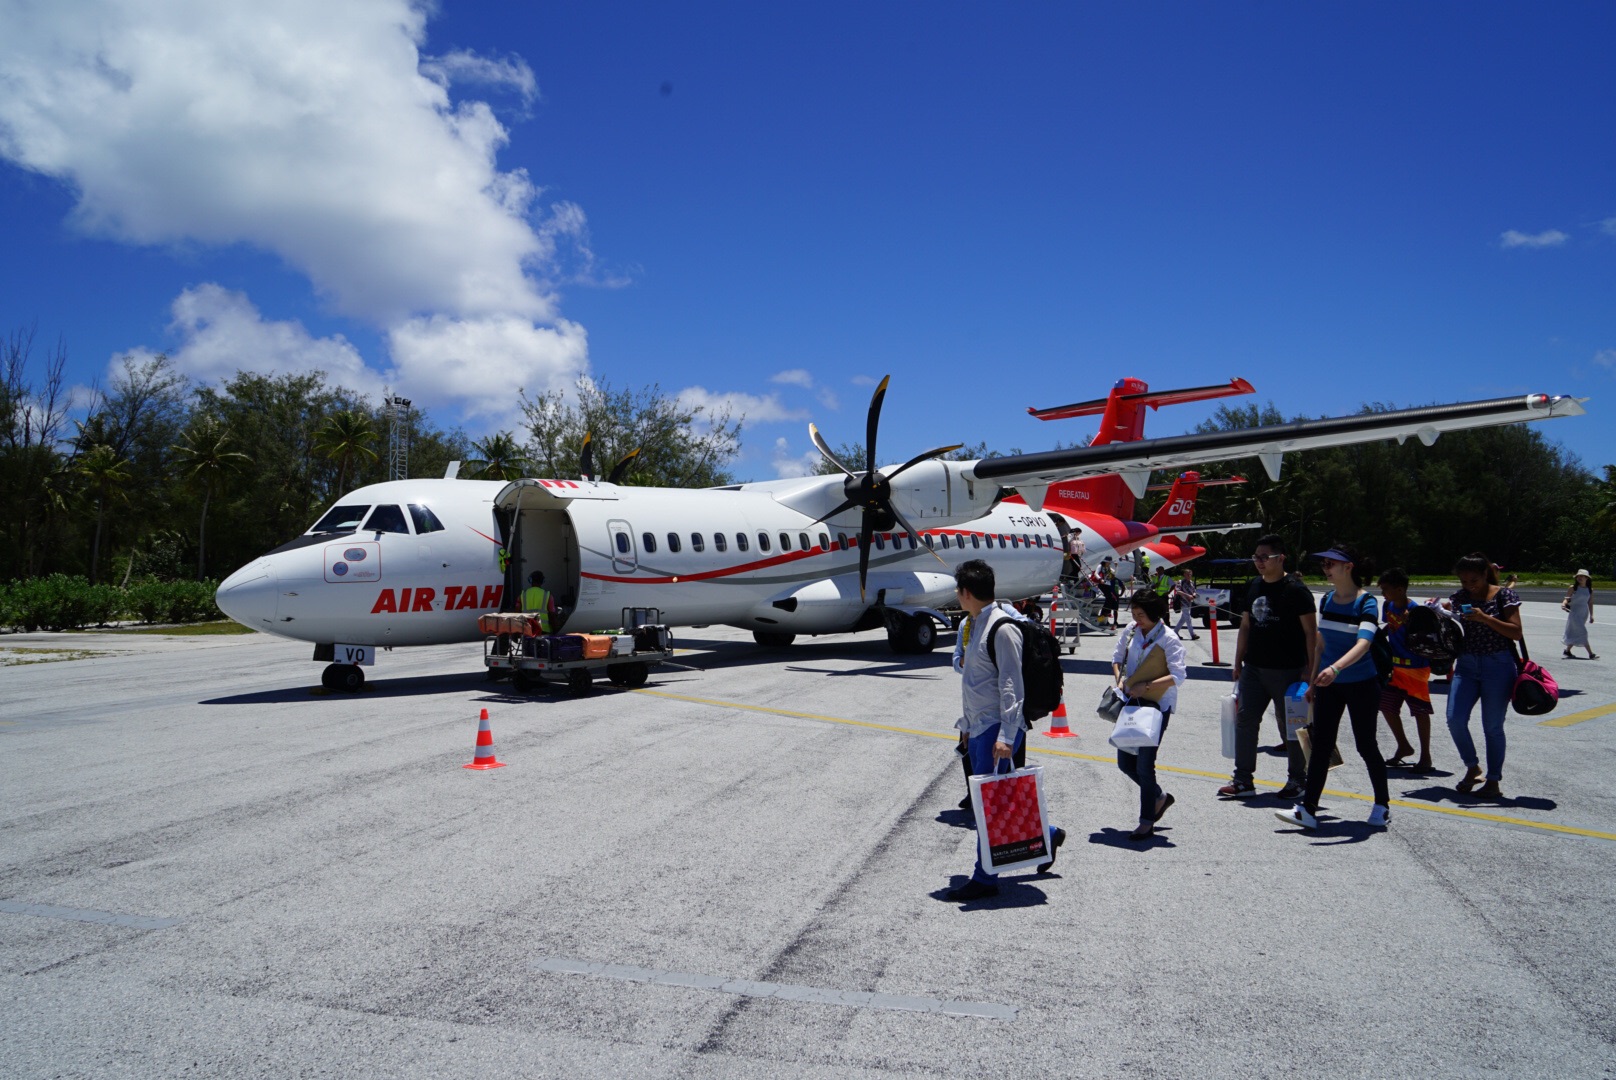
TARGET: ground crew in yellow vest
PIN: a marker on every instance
(537, 600)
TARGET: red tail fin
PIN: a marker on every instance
(1179, 509)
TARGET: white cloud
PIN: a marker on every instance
(786, 464)
(794, 377)
(317, 132)
(1606, 358)
(1608, 226)
(756, 410)
(1546, 239)
(863, 380)
(220, 332)
(463, 66)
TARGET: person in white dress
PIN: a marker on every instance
(1579, 608)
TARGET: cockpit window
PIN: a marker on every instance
(340, 518)
(386, 518)
(425, 520)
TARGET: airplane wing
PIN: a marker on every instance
(1134, 461)
(1191, 530)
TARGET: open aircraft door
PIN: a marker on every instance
(544, 537)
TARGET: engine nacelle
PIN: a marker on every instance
(938, 493)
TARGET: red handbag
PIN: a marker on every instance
(1535, 691)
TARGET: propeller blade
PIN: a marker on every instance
(918, 458)
(846, 505)
(586, 457)
(915, 533)
(865, 533)
(621, 468)
(873, 423)
(824, 448)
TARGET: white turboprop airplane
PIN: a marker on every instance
(414, 562)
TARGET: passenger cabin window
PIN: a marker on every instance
(804, 543)
(425, 520)
(763, 540)
(622, 543)
(696, 543)
(387, 518)
(785, 541)
(1015, 542)
(340, 519)
(648, 542)
(880, 542)
(824, 541)
(976, 540)
(841, 541)
(740, 541)
(720, 541)
(673, 542)
(929, 540)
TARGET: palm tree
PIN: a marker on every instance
(105, 473)
(204, 460)
(499, 457)
(346, 437)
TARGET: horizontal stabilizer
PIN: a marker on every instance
(1191, 530)
(1153, 398)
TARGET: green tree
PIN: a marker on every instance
(33, 416)
(498, 457)
(682, 445)
(347, 436)
(206, 461)
(106, 477)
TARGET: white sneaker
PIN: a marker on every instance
(1297, 815)
(1380, 816)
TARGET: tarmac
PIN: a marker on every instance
(210, 867)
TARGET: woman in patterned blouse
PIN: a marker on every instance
(1485, 670)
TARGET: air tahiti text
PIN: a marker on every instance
(455, 598)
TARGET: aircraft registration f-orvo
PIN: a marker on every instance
(413, 562)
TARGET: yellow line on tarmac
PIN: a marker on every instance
(1578, 717)
(1451, 811)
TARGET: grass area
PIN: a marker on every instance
(17, 657)
(222, 626)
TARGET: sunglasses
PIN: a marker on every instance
(1265, 558)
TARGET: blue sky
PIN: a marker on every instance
(770, 205)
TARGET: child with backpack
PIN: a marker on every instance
(1410, 679)
(1344, 680)
(1148, 633)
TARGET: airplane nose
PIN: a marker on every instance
(249, 595)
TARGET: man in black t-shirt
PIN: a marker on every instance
(1278, 634)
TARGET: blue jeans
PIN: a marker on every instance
(1489, 678)
(1140, 767)
(980, 748)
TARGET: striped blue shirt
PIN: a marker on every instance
(1342, 626)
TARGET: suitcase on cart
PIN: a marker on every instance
(652, 638)
(596, 646)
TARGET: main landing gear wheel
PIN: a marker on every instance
(580, 682)
(773, 639)
(521, 682)
(630, 676)
(348, 678)
(914, 634)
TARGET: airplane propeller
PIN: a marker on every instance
(586, 457)
(620, 470)
(871, 490)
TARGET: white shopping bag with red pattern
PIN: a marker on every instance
(1012, 829)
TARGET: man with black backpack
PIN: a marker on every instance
(988, 656)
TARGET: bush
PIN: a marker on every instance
(153, 601)
(60, 602)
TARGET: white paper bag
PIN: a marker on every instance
(1298, 710)
(1228, 716)
(1012, 827)
(1139, 725)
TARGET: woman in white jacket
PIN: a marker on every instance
(1149, 632)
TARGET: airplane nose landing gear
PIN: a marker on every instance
(348, 678)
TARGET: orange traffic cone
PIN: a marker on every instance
(485, 746)
(1057, 724)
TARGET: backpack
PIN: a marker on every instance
(1380, 648)
(1535, 691)
(1042, 679)
(1433, 634)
